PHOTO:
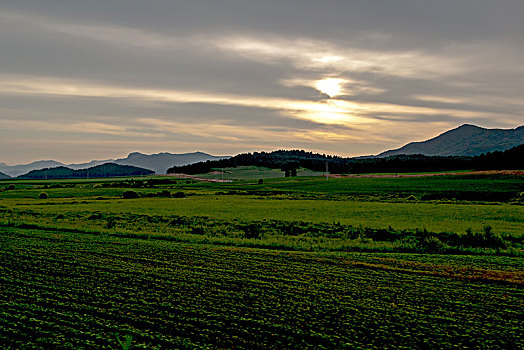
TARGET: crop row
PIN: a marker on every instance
(82, 291)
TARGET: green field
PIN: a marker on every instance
(305, 262)
(444, 205)
(76, 291)
(252, 173)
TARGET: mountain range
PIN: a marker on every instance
(466, 140)
(159, 162)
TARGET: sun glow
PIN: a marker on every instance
(330, 86)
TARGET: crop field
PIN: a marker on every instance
(71, 290)
(303, 262)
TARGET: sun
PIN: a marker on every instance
(330, 86)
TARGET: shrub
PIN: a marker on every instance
(10, 187)
(492, 240)
(95, 216)
(486, 239)
(198, 230)
(42, 195)
(164, 193)
(130, 195)
(432, 244)
(179, 195)
(260, 181)
(252, 230)
(111, 222)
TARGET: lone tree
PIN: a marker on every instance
(290, 168)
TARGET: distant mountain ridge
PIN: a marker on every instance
(16, 170)
(159, 162)
(4, 176)
(104, 170)
(466, 140)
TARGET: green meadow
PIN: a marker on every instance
(451, 204)
(301, 262)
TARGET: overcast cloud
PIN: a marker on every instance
(82, 80)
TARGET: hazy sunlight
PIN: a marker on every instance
(330, 86)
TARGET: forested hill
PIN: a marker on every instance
(4, 176)
(512, 159)
(104, 170)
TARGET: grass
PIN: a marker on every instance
(505, 219)
(374, 203)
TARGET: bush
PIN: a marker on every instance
(198, 230)
(130, 195)
(260, 181)
(252, 230)
(111, 222)
(42, 195)
(10, 187)
(432, 245)
(486, 239)
(179, 195)
(164, 193)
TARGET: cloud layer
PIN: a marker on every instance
(101, 79)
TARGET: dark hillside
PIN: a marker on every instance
(104, 170)
(466, 140)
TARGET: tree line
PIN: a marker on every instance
(289, 161)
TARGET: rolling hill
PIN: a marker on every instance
(466, 140)
(104, 170)
(4, 176)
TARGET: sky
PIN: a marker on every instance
(98, 79)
